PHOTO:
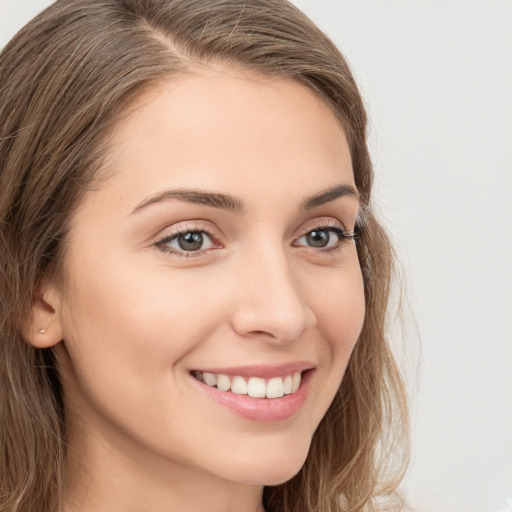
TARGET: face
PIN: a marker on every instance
(209, 274)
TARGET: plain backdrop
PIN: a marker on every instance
(437, 79)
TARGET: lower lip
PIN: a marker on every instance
(265, 410)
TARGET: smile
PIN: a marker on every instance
(255, 387)
(262, 393)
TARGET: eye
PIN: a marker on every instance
(189, 241)
(323, 238)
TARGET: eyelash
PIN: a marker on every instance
(343, 237)
(161, 244)
(182, 230)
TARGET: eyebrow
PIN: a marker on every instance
(236, 205)
(329, 195)
(215, 200)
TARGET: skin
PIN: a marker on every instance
(133, 319)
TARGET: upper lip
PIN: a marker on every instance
(263, 371)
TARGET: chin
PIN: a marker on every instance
(280, 477)
(271, 475)
(274, 469)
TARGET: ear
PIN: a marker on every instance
(43, 328)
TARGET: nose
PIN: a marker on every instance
(269, 304)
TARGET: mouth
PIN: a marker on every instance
(255, 387)
(258, 393)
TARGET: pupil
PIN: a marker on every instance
(318, 238)
(191, 241)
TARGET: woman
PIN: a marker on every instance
(194, 285)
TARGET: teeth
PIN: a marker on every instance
(209, 379)
(295, 382)
(223, 382)
(239, 386)
(287, 385)
(255, 387)
(275, 388)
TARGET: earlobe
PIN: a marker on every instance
(43, 329)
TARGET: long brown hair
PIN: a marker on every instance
(65, 80)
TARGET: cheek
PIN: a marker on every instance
(127, 327)
(114, 316)
(340, 312)
(126, 335)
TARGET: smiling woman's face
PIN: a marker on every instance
(217, 254)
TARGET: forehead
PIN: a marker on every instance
(230, 129)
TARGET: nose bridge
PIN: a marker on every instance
(269, 301)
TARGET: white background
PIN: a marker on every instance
(437, 78)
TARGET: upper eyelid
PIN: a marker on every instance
(324, 224)
(203, 225)
(186, 226)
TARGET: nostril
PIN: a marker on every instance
(263, 333)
